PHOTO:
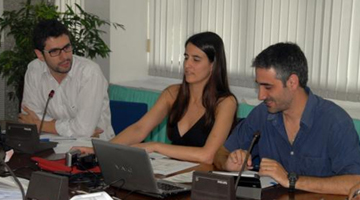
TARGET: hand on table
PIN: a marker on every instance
(236, 159)
(84, 150)
(275, 170)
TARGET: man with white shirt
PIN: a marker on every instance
(80, 105)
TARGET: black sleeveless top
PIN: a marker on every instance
(196, 135)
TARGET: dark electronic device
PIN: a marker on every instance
(211, 186)
(71, 157)
(249, 187)
(86, 161)
(81, 161)
(24, 138)
(45, 186)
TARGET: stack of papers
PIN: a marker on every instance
(163, 165)
(66, 143)
(169, 166)
(181, 178)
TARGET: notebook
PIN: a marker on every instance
(24, 138)
(130, 168)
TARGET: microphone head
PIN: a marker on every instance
(51, 94)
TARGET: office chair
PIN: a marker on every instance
(124, 113)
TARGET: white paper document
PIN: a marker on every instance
(169, 166)
(66, 143)
(181, 178)
(155, 155)
(92, 196)
(266, 181)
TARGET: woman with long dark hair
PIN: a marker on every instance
(201, 110)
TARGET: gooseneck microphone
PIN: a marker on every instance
(255, 137)
(51, 94)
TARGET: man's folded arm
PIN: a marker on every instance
(89, 108)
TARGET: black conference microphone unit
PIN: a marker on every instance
(241, 193)
(51, 94)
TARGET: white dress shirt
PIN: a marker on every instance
(80, 103)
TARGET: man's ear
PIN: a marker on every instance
(293, 81)
(39, 54)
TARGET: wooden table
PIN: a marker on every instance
(24, 167)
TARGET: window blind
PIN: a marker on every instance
(326, 30)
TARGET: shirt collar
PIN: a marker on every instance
(307, 117)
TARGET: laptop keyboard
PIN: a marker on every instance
(167, 187)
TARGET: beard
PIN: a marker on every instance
(275, 106)
(62, 70)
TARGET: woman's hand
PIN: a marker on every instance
(84, 150)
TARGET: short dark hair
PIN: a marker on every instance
(286, 59)
(45, 29)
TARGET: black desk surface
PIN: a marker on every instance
(23, 167)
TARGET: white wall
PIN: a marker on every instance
(128, 59)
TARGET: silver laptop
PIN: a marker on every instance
(130, 168)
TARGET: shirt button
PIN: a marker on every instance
(291, 153)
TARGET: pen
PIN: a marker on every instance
(273, 183)
(356, 193)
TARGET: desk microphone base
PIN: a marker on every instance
(210, 186)
(249, 188)
(248, 193)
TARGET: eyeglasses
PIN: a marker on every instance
(56, 52)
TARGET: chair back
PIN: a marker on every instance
(125, 113)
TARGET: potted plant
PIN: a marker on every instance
(84, 29)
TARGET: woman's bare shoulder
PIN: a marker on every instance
(228, 100)
(226, 105)
(172, 90)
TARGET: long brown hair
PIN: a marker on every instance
(217, 86)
